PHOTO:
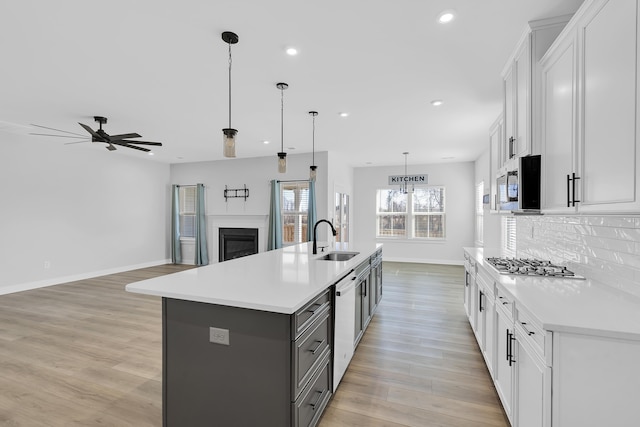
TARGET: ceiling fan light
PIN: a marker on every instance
(229, 142)
(282, 162)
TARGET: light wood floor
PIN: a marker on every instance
(88, 353)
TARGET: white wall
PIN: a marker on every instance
(257, 174)
(82, 209)
(341, 181)
(458, 179)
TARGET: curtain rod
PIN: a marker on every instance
(293, 180)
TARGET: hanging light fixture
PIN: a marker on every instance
(313, 169)
(229, 134)
(282, 156)
(404, 185)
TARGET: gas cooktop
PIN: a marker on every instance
(530, 267)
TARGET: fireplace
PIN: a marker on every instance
(237, 242)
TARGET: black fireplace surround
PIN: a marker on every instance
(237, 242)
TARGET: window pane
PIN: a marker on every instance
(187, 226)
(428, 199)
(392, 201)
(391, 225)
(428, 226)
(294, 208)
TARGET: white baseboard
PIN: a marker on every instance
(424, 261)
(65, 279)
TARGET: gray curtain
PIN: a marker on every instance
(311, 215)
(176, 255)
(275, 221)
(202, 258)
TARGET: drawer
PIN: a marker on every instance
(309, 350)
(532, 332)
(505, 300)
(304, 317)
(308, 408)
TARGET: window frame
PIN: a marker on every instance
(299, 230)
(183, 209)
(410, 215)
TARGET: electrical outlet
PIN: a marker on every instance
(47, 265)
(219, 336)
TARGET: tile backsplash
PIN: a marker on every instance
(604, 248)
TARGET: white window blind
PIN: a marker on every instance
(187, 196)
(509, 236)
(294, 207)
(479, 213)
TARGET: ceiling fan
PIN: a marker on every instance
(101, 136)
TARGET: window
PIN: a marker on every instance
(341, 218)
(294, 206)
(479, 214)
(509, 236)
(187, 196)
(419, 214)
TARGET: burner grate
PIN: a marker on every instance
(530, 267)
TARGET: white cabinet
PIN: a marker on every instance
(495, 159)
(591, 158)
(532, 394)
(521, 91)
(503, 374)
(559, 123)
(486, 318)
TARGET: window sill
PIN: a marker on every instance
(412, 241)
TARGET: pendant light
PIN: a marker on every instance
(229, 134)
(282, 156)
(313, 169)
(404, 186)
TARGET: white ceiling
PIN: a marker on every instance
(159, 68)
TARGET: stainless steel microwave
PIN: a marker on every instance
(519, 190)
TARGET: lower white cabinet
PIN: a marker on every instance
(532, 391)
(503, 375)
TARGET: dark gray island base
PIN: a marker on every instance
(275, 371)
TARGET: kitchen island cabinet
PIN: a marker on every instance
(566, 350)
(250, 341)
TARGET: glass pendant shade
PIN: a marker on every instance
(229, 142)
(313, 172)
(282, 162)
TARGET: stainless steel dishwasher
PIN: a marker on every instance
(344, 326)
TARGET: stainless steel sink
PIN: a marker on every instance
(338, 256)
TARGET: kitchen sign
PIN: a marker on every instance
(409, 179)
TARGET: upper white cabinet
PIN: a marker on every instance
(521, 90)
(589, 79)
(495, 160)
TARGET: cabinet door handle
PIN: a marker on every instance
(568, 191)
(315, 350)
(525, 329)
(573, 189)
(511, 153)
(318, 400)
(365, 286)
(508, 344)
(511, 340)
(480, 295)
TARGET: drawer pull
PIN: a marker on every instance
(317, 402)
(315, 350)
(525, 329)
(313, 310)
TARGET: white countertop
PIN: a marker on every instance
(569, 305)
(280, 281)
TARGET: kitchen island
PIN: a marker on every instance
(249, 341)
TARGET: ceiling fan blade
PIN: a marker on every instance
(159, 144)
(57, 130)
(124, 136)
(77, 142)
(124, 144)
(58, 136)
(93, 133)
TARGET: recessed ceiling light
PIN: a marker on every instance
(437, 102)
(265, 142)
(446, 16)
(343, 114)
(292, 51)
(448, 158)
